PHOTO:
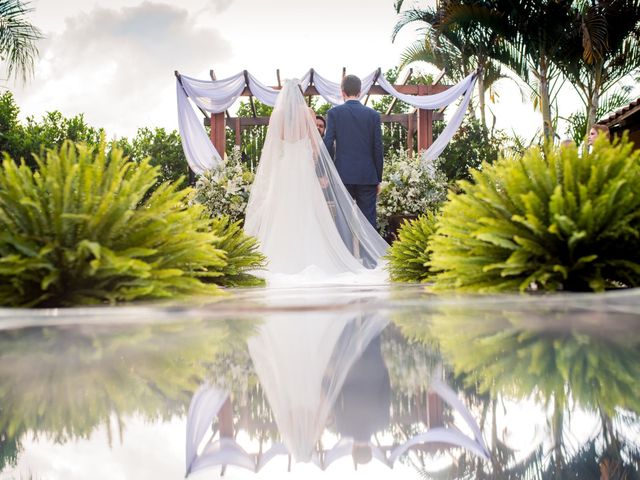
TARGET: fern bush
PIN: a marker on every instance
(409, 255)
(554, 219)
(241, 254)
(84, 228)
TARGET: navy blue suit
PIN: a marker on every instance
(354, 140)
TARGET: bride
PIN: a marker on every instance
(307, 224)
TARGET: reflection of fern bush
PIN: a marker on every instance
(410, 186)
(84, 229)
(409, 255)
(225, 189)
(549, 220)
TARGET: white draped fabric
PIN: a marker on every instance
(200, 152)
(216, 96)
(332, 92)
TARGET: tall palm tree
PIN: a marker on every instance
(532, 32)
(17, 39)
(457, 51)
(603, 49)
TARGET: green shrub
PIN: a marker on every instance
(241, 254)
(472, 145)
(554, 219)
(84, 229)
(409, 255)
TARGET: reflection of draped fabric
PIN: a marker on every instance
(302, 366)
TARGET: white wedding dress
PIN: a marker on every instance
(307, 224)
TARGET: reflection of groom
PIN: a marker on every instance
(357, 133)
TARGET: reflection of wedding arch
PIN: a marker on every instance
(209, 402)
(213, 98)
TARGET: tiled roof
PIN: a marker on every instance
(611, 119)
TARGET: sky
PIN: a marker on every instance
(114, 61)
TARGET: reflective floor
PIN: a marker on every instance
(361, 382)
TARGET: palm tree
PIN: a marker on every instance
(533, 34)
(457, 51)
(17, 39)
(603, 49)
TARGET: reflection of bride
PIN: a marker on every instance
(305, 220)
(302, 366)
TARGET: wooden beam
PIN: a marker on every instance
(406, 78)
(179, 77)
(375, 90)
(244, 122)
(212, 74)
(375, 79)
(440, 77)
(246, 81)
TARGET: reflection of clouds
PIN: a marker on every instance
(146, 452)
(108, 62)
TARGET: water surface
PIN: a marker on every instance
(325, 382)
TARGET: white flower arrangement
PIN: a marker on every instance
(410, 186)
(225, 190)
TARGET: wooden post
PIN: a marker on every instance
(435, 410)
(225, 419)
(410, 129)
(425, 122)
(218, 132)
(238, 130)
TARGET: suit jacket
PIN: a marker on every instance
(357, 133)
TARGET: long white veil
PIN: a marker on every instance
(299, 209)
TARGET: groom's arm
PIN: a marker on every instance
(378, 153)
(330, 133)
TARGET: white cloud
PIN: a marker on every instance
(220, 6)
(116, 66)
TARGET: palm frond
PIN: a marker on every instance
(17, 39)
(426, 16)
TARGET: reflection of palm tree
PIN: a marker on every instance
(17, 38)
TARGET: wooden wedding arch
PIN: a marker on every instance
(418, 121)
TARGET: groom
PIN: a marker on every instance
(357, 134)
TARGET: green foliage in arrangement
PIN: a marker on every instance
(84, 229)
(409, 255)
(554, 219)
(410, 186)
(241, 254)
(225, 190)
